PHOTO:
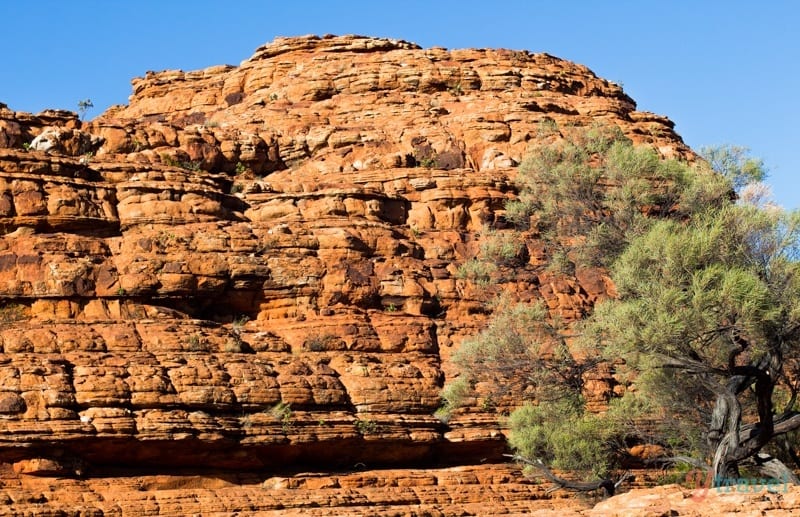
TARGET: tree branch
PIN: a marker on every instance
(580, 486)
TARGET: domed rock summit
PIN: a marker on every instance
(239, 293)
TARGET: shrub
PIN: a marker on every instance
(365, 427)
(11, 312)
(477, 271)
(590, 193)
(501, 248)
(283, 412)
(84, 106)
(565, 436)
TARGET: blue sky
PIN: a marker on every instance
(727, 72)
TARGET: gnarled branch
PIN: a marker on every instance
(608, 485)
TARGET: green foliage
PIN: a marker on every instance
(733, 163)
(428, 162)
(707, 287)
(706, 296)
(523, 352)
(589, 194)
(10, 312)
(456, 90)
(365, 427)
(169, 160)
(454, 394)
(682, 287)
(84, 106)
(520, 210)
(562, 434)
(547, 127)
(561, 263)
(239, 322)
(476, 270)
(197, 343)
(283, 412)
(191, 165)
(501, 248)
(236, 188)
(323, 343)
(240, 168)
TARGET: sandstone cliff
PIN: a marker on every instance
(249, 272)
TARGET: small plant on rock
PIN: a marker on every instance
(477, 271)
(197, 343)
(84, 106)
(365, 427)
(283, 412)
(11, 312)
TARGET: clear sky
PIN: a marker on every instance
(726, 71)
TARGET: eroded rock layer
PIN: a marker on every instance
(254, 268)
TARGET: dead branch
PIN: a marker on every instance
(607, 485)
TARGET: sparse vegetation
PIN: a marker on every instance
(11, 312)
(366, 427)
(501, 247)
(283, 412)
(197, 343)
(84, 106)
(169, 160)
(589, 194)
(236, 187)
(547, 127)
(703, 336)
(191, 165)
(477, 271)
(322, 343)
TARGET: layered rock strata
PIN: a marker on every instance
(255, 267)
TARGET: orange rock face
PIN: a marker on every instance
(253, 269)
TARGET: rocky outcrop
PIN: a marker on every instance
(254, 269)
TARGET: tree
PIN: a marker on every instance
(705, 329)
(588, 194)
(585, 196)
(708, 315)
(84, 106)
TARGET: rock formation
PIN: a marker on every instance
(239, 293)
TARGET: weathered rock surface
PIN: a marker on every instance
(252, 269)
(740, 501)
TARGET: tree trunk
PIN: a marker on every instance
(608, 486)
(774, 468)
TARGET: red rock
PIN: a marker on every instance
(256, 271)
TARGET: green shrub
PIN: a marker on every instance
(501, 248)
(283, 412)
(454, 394)
(365, 427)
(562, 434)
(11, 312)
(477, 271)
